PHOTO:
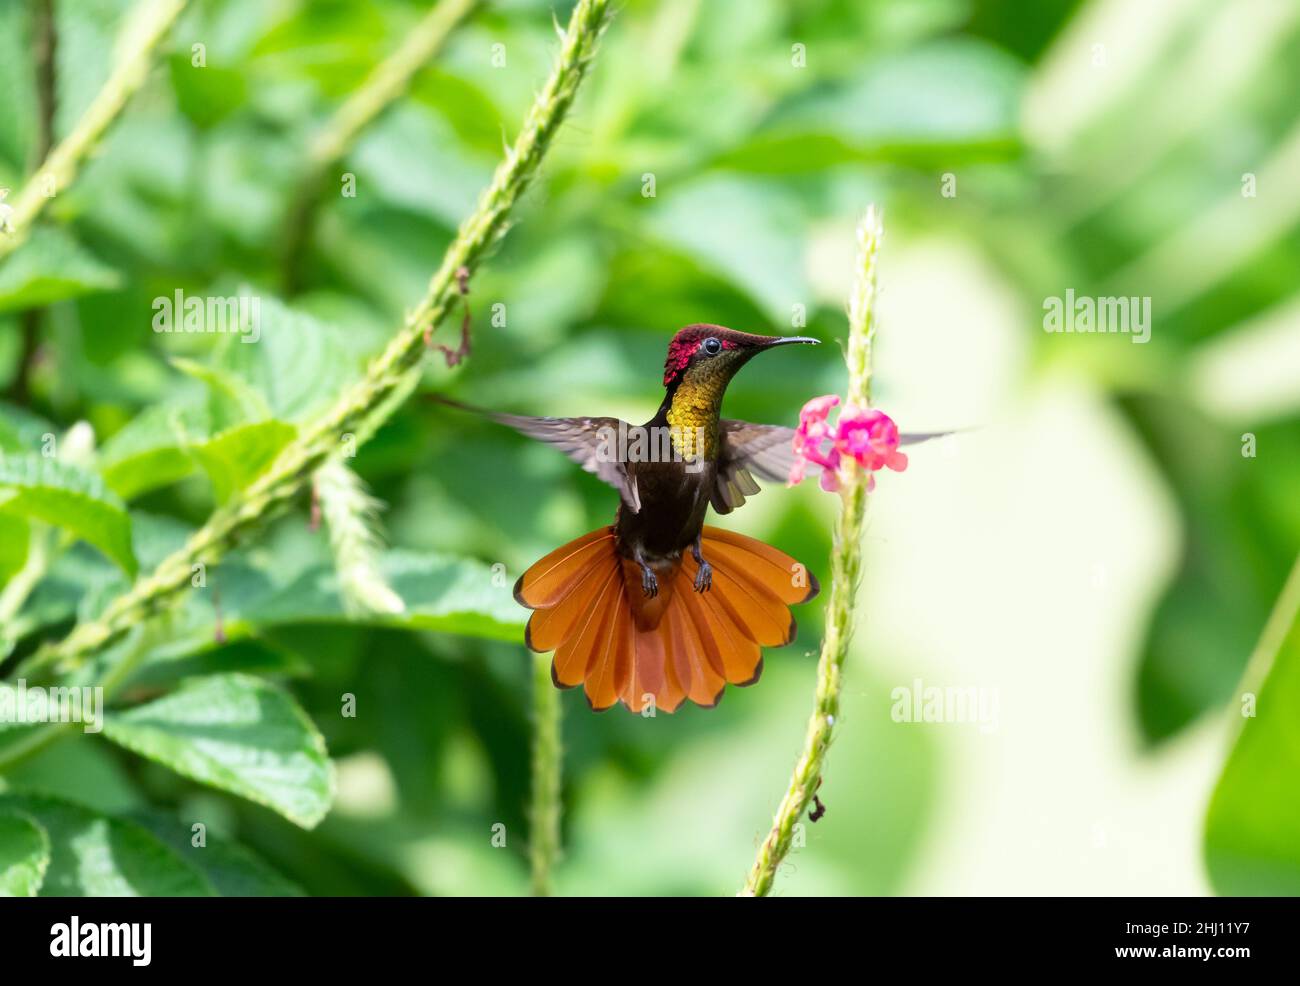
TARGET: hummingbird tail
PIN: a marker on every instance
(623, 646)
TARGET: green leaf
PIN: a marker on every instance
(23, 708)
(452, 595)
(46, 489)
(80, 580)
(1252, 832)
(439, 592)
(94, 855)
(1236, 519)
(10, 440)
(233, 400)
(73, 575)
(21, 430)
(232, 870)
(15, 539)
(298, 363)
(236, 457)
(237, 733)
(87, 773)
(156, 536)
(475, 118)
(249, 655)
(24, 855)
(207, 94)
(150, 451)
(50, 267)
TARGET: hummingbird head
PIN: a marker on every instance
(703, 354)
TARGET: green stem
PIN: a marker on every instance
(846, 566)
(46, 40)
(1282, 617)
(42, 735)
(544, 813)
(20, 586)
(385, 84)
(354, 414)
(147, 28)
(44, 45)
(44, 548)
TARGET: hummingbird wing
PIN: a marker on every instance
(747, 449)
(766, 451)
(590, 442)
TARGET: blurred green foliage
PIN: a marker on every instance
(1250, 832)
(761, 125)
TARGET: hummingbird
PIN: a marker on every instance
(658, 607)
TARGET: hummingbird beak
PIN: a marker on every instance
(774, 341)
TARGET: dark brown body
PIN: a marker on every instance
(674, 498)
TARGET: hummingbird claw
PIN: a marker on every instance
(704, 577)
(649, 584)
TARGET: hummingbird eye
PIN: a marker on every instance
(711, 346)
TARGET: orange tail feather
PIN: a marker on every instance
(681, 644)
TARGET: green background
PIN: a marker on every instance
(1092, 546)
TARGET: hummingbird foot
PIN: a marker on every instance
(704, 577)
(649, 584)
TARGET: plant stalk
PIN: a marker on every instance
(385, 84)
(846, 565)
(150, 25)
(44, 44)
(42, 735)
(544, 812)
(355, 413)
(1281, 618)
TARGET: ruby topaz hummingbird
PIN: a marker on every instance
(657, 607)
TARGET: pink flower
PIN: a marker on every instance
(870, 437)
(808, 438)
(867, 436)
